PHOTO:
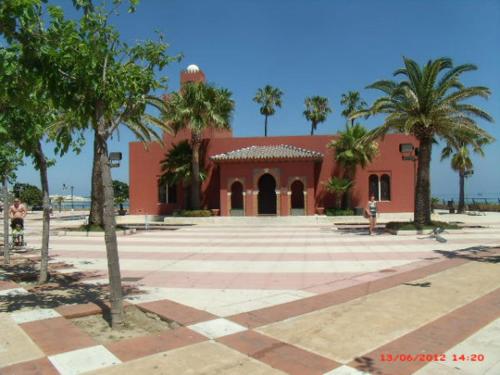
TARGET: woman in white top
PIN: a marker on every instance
(371, 213)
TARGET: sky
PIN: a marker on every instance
(309, 47)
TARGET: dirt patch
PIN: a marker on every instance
(137, 323)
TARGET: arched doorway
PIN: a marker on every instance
(267, 195)
(297, 198)
(237, 199)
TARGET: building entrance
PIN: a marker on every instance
(267, 195)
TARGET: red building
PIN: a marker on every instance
(283, 175)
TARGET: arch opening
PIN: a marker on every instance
(267, 195)
(373, 187)
(297, 201)
(237, 199)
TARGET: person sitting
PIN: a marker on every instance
(17, 213)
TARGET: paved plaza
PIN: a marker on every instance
(268, 297)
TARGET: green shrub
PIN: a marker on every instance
(339, 212)
(409, 225)
(193, 213)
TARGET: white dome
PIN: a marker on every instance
(193, 68)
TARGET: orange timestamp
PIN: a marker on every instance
(431, 357)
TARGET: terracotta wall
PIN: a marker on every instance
(145, 170)
(284, 173)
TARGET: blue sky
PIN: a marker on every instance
(310, 47)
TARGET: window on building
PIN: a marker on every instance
(373, 187)
(167, 194)
(385, 188)
(172, 194)
(162, 192)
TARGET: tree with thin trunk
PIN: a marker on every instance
(428, 103)
(269, 98)
(103, 83)
(317, 111)
(59, 200)
(198, 106)
(28, 114)
(121, 193)
(144, 129)
(114, 82)
(458, 148)
(352, 103)
(351, 151)
(10, 160)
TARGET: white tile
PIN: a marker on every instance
(217, 328)
(13, 292)
(32, 315)
(83, 360)
(226, 302)
(346, 370)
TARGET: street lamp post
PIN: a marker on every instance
(410, 153)
(66, 187)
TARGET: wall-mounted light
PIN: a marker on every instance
(406, 147)
(114, 159)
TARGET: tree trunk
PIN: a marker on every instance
(97, 194)
(349, 174)
(265, 126)
(461, 195)
(312, 128)
(422, 215)
(195, 178)
(44, 263)
(6, 206)
(338, 200)
(115, 282)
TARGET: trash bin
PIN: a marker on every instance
(358, 211)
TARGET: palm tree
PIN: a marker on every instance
(197, 107)
(145, 128)
(176, 167)
(351, 151)
(427, 103)
(269, 98)
(457, 147)
(59, 200)
(338, 186)
(317, 110)
(352, 102)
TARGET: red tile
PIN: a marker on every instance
(177, 312)
(85, 309)
(57, 335)
(436, 337)
(4, 285)
(257, 318)
(37, 367)
(277, 354)
(77, 311)
(129, 349)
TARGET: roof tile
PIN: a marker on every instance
(268, 153)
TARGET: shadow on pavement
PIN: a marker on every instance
(487, 254)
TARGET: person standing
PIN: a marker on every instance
(371, 214)
(17, 213)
